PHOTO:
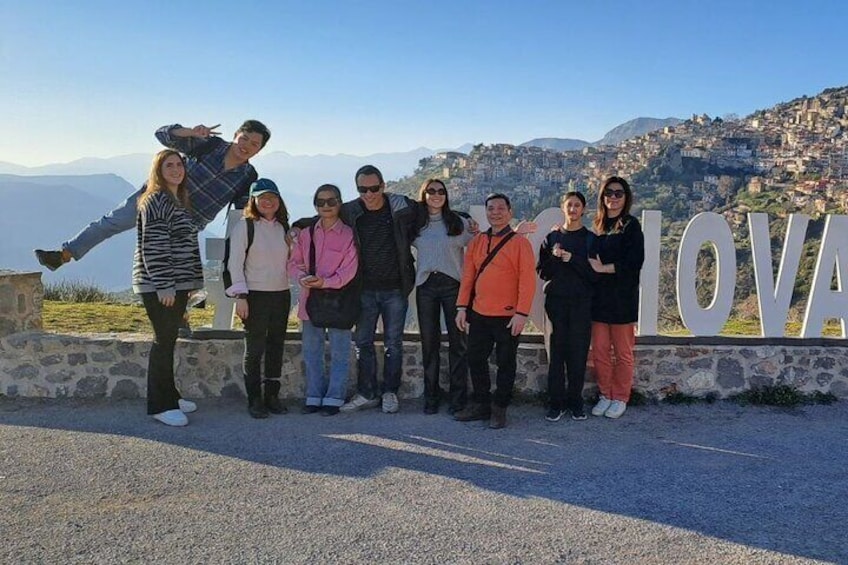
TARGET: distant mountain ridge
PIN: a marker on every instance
(635, 128)
(627, 130)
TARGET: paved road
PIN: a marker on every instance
(99, 482)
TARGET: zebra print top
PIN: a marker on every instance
(167, 255)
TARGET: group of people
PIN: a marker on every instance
(482, 282)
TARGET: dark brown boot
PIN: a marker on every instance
(256, 407)
(498, 420)
(472, 412)
(272, 399)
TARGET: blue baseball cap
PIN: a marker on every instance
(261, 186)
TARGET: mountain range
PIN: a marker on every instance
(627, 130)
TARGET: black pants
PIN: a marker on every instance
(265, 334)
(162, 393)
(438, 294)
(487, 332)
(571, 318)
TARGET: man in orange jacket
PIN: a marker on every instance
(495, 295)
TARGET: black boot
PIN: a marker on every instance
(498, 420)
(256, 408)
(473, 412)
(272, 400)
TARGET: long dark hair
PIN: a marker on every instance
(452, 220)
(601, 215)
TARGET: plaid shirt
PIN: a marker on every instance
(210, 187)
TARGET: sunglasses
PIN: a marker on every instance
(610, 193)
(364, 189)
(331, 202)
(434, 191)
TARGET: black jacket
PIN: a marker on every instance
(616, 299)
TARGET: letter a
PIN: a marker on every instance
(823, 302)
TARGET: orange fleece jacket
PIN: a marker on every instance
(507, 285)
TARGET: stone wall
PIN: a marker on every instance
(41, 364)
(21, 296)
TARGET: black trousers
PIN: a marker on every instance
(438, 295)
(571, 318)
(265, 335)
(487, 332)
(162, 392)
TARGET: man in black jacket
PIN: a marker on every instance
(382, 224)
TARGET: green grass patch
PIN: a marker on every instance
(781, 395)
(105, 317)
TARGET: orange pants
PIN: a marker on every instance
(614, 375)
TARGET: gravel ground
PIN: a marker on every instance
(101, 482)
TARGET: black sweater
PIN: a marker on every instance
(573, 279)
(616, 299)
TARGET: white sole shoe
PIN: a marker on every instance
(390, 403)
(616, 409)
(187, 406)
(602, 406)
(171, 418)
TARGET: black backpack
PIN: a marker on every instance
(225, 275)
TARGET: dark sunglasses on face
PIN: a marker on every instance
(434, 191)
(364, 189)
(331, 202)
(610, 193)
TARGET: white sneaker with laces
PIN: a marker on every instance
(187, 406)
(358, 402)
(616, 409)
(390, 403)
(602, 406)
(171, 418)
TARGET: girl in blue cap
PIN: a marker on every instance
(259, 250)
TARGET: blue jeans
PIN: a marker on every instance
(119, 220)
(391, 305)
(320, 392)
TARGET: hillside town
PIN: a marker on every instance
(792, 157)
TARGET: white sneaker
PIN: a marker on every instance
(358, 402)
(187, 406)
(602, 406)
(171, 418)
(390, 403)
(616, 409)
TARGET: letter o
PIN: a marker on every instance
(706, 227)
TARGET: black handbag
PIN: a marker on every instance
(330, 307)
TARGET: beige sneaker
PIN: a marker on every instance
(359, 402)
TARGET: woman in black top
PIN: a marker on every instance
(564, 262)
(617, 258)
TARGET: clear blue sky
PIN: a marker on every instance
(95, 78)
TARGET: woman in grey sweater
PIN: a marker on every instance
(441, 237)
